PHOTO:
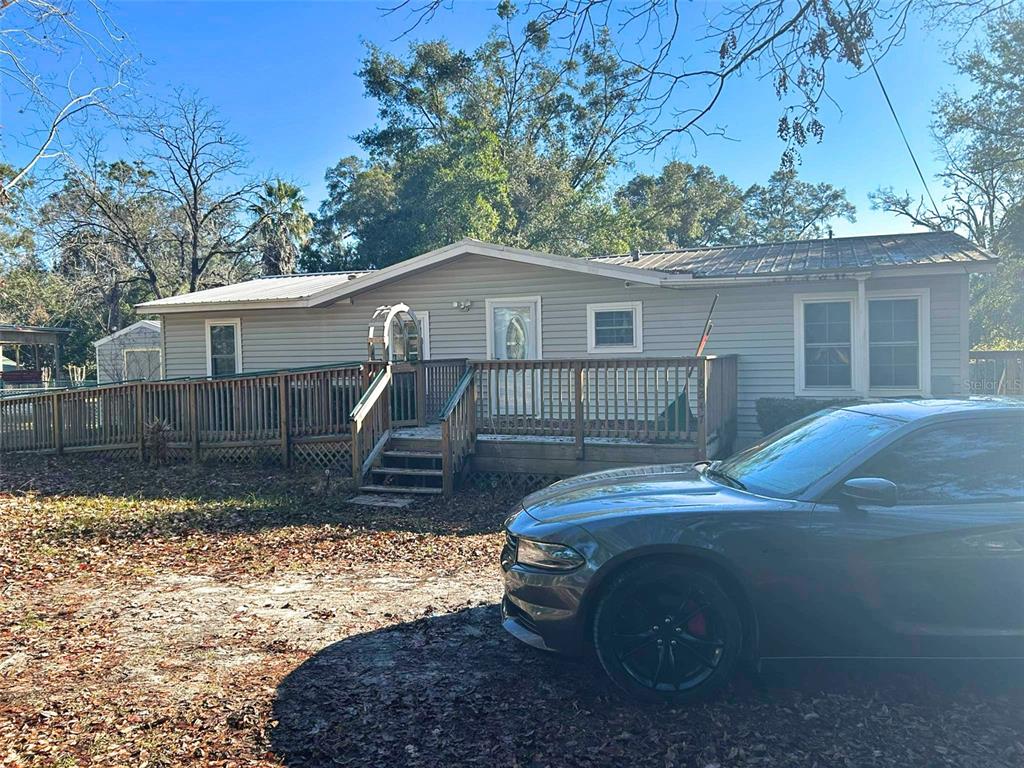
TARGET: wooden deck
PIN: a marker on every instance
(547, 455)
(551, 417)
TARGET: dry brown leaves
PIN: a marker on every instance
(241, 617)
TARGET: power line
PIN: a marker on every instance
(899, 125)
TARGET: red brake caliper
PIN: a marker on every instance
(697, 626)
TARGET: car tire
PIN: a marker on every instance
(668, 632)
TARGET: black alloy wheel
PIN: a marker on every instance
(668, 632)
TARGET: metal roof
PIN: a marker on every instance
(770, 261)
(263, 289)
(31, 334)
(796, 257)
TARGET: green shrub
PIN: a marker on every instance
(776, 412)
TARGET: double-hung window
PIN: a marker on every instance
(615, 327)
(875, 344)
(828, 361)
(894, 342)
(223, 347)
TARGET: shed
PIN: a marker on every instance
(130, 354)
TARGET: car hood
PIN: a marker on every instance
(665, 487)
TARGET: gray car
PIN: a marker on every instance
(884, 530)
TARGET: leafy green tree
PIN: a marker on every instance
(787, 208)
(284, 228)
(980, 137)
(17, 240)
(511, 144)
(682, 206)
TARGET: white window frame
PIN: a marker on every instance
(636, 307)
(924, 343)
(860, 343)
(423, 318)
(515, 301)
(124, 358)
(235, 321)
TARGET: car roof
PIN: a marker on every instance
(912, 410)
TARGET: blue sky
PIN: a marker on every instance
(283, 75)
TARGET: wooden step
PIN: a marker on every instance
(399, 489)
(415, 444)
(411, 454)
(408, 471)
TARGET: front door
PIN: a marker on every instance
(513, 326)
(941, 573)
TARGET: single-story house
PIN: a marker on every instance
(133, 353)
(877, 316)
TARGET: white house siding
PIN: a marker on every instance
(755, 322)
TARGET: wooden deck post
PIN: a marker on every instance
(58, 425)
(357, 451)
(193, 419)
(472, 414)
(140, 414)
(421, 394)
(447, 479)
(577, 373)
(702, 424)
(283, 419)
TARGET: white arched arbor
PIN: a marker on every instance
(394, 335)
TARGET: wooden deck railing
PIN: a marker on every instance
(680, 399)
(353, 407)
(458, 430)
(997, 372)
(440, 378)
(273, 411)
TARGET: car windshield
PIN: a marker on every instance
(789, 461)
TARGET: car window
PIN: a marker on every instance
(791, 460)
(962, 461)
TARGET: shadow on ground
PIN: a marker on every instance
(456, 690)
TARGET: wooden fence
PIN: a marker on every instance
(997, 372)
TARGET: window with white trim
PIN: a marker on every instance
(223, 347)
(615, 327)
(894, 342)
(872, 344)
(828, 344)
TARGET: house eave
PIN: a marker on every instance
(477, 248)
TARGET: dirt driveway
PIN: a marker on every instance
(211, 616)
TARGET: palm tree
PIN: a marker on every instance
(283, 225)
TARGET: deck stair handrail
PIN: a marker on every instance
(371, 423)
(458, 430)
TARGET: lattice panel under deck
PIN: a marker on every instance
(335, 456)
(116, 454)
(252, 455)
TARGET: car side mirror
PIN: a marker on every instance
(871, 490)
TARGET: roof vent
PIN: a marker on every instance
(634, 255)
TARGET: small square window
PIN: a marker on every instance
(614, 327)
